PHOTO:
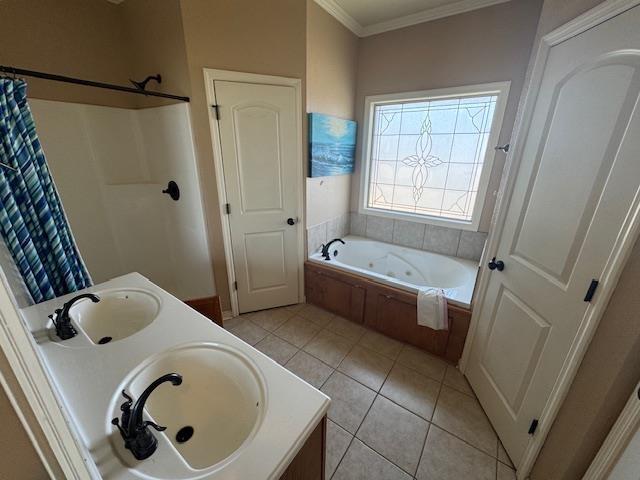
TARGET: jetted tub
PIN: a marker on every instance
(405, 268)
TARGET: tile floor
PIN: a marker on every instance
(396, 411)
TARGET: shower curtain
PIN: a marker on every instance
(32, 221)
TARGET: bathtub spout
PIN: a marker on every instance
(325, 248)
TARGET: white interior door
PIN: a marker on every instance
(577, 182)
(627, 467)
(258, 135)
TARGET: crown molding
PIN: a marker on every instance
(332, 7)
(427, 15)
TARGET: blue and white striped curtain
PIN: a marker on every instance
(32, 222)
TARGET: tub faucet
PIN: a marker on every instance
(134, 430)
(61, 320)
(325, 248)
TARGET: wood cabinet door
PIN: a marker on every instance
(336, 292)
(336, 296)
(313, 287)
(358, 300)
(395, 315)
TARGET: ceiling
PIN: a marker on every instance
(368, 17)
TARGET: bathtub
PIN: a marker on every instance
(405, 268)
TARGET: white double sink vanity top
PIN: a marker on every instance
(249, 415)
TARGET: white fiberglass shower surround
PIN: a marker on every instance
(110, 166)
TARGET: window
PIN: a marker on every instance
(428, 155)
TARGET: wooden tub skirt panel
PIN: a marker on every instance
(389, 310)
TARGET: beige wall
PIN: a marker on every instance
(155, 42)
(611, 367)
(78, 38)
(96, 40)
(245, 36)
(332, 59)
(487, 45)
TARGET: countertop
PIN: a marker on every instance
(88, 379)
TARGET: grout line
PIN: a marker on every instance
(424, 444)
(344, 454)
(388, 459)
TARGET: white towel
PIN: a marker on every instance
(432, 309)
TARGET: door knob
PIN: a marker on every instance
(496, 264)
(291, 221)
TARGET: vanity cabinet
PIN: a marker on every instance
(309, 463)
(388, 310)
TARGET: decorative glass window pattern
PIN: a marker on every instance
(426, 157)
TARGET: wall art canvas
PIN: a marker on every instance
(332, 145)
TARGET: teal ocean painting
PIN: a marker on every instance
(332, 145)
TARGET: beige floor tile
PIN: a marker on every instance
(422, 362)
(455, 379)
(503, 456)
(271, 319)
(381, 344)
(329, 347)
(338, 440)
(350, 401)
(367, 367)
(462, 416)
(446, 457)
(308, 368)
(505, 473)
(297, 331)
(249, 332)
(277, 349)
(346, 328)
(362, 463)
(317, 315)
(395, 433)
(411, 390)
(235, 321)
(296, 307)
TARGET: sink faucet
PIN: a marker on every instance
(134, 430)
(325, 248)
(62, 322)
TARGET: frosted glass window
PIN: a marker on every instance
(426, 157)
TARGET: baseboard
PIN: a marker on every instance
(209, 307)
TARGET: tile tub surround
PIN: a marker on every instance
(444, 240)
(321, 233)
(396, 411)
(433, 238)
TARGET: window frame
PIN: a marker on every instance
(501, 89)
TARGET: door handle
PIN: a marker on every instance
(291, 221)
(496, 264)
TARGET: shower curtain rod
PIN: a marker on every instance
(89, 83)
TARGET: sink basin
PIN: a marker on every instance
(119, 314)
(221, 398)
